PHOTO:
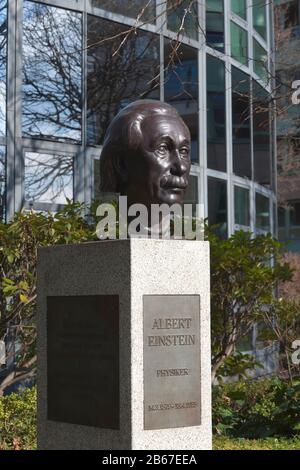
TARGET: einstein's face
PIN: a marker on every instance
(158, 171)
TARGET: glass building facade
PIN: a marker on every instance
(68, 66)
(287, 33)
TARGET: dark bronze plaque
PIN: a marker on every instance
(83, 360)
(171, 361)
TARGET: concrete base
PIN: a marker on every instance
(130, 269)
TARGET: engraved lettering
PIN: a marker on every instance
(171, 372)
(172, 406)
(172, 340)
(171, 323)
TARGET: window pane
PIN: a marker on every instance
(117, 73)
(216, 127)
(245, 343)
(96, 168)
(3, 49)
(191, 195)
(295, 220)
(239, 7)
(275, 220)
(51, 72)
(260, 59)
(215, 24)
(217, 205)
(261, 136)
(287, 17)
(241, 134)
(181, 87)
(241, 206)
(48, 178)
(183, 15)
(282, 223)
(262, 212)
(259, 17)
(2, 183)
(239, 43)
(144, 10)
(289, 225)
(291, 14)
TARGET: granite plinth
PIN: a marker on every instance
(124, 345)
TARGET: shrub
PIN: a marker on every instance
(245, 270)
(263, 408)
(19, 241)
(271, 443)
(18, 421)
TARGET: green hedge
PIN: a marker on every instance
(271, 443)
(18, 421)
(239, 409)
(257, 409)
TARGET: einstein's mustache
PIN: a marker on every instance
(173, 182)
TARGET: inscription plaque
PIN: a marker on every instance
(83, 360)
(171, 361)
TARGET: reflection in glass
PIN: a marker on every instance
(295, 219)
(289, 224)
(3, 49)
(239, 43)
(245, 343)
(260, 61)
(241, 134)
(216, 126)
(241, 206)
(262, 212)
(215, 24)
(259, 17)
(96, 169)
(181, 86)
(275, 221)
(217, 205)
(2, 183)
(292, 14)
(117, 73)
(191, 195)
(144, 10)
(261, 136)
(282, 223)
(52, 46)
(182, 16)
(48, 178)
(288, 14)
(239, 7)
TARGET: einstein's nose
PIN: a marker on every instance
(178, 166)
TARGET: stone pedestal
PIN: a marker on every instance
(124, 345)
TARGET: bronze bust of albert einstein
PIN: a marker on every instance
(146, 154)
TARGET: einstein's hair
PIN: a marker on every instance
(123, 135)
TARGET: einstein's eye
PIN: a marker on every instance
(162, 149)
(184, 151)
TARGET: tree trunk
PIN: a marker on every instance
(220, 361)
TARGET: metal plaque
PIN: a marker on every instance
(171, 361)
(83, 360)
